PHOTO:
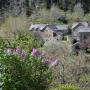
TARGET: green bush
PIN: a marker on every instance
(25, 41)
(66, 87)
(19, 70)
(85, 78)
(18, 74)
(87, 17)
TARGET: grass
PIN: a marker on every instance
(66, 87)
(12, 25)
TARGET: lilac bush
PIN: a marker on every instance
(32, 74)
(54, 63)
(21, 66)
(49, 62)
(23, 55)
(25, 71)
(17, 50)
(24, 67)
(35, 53)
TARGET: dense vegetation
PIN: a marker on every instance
(18, 6)
(22, 66)
(25, 63)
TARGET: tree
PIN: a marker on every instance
(78, 9)
(86, 5)
(15, 7)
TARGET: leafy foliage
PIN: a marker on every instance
(16, 7)
(21, 75)
(66, 87)
(25, 41)
(19, 70)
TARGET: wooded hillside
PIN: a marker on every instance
(16, 7)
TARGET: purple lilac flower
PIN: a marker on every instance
(17, 51)
(9, 51)
(53, 63)
(23, 55)
(46, 62)
(35, 53)
(43, 54)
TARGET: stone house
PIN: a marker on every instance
(54, 32)
(38, 29)
(76, 27)
(84, 33)
(49, 32)
(83, 39)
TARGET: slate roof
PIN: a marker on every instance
(53, 27)
(79, 23)
(58, 27)
(38, 26)
(85, 29)
(62, 27)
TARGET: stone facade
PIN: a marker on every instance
(84, 34)
(76, 27)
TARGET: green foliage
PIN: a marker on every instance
(25, 41)
(87, 17)
(72, 17)
(20, 75)
(66, 87)
(17, 73)
(2, 44)
(43, 20)
(47, 16)
(85, 78)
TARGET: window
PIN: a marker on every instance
(54, 34)
(85, 37)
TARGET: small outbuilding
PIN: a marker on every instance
(76, 27)
(84, 33)
(55, 31)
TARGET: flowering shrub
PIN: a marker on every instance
(22, 66)
(35, 53)
(24, 71)
(50, 62)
